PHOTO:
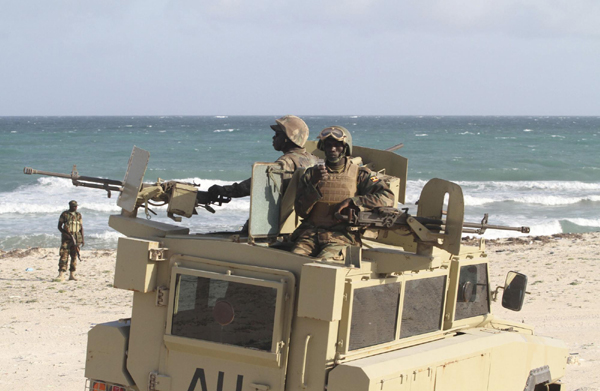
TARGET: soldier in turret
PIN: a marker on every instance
(325, 190)
(291, 133)
(71, 227)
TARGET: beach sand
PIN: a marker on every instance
(44, 324)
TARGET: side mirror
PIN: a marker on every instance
(514, 291)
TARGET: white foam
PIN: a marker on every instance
(475, 201)
(550, 200)
(585, 222)
(223, 130)
(106, 235)
(529, 185)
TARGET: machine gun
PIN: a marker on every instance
(76, 246)
(181, 198)
(427, 230)
(389, 218)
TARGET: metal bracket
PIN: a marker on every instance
(353, 256)
(537, 376)
(162, 293)
(157, 254)
(422, 232)
(158, 382)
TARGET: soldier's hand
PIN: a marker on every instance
(347, 203)
(318, 174)
(82, 243)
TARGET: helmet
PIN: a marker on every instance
(73, 202)
(339, 133)
(294, 128)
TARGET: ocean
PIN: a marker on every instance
(541, 172)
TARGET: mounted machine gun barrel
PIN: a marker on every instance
(181, 198)
(389, 218)
(483, 226)
(84, 181)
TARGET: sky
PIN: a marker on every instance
(308, 57)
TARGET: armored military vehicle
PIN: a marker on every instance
(409, 310)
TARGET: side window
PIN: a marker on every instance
(423, 306)
(374, 315)
(472, 299)
(224, 311)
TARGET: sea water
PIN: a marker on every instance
(542, 172)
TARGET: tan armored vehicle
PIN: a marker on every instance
(410, 310)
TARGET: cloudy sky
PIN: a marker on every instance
(267, 57)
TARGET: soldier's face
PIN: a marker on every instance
(72, 208)
(279, 140)
(333, 149)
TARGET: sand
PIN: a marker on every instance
(44, 324)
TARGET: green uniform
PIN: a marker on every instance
(320, 234)
(72, 222)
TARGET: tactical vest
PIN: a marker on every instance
(72, 223)
(337, 188)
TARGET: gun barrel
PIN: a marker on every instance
(100, 180)
(524, 230)
(75, 177)
(395, 147)
(31, 171)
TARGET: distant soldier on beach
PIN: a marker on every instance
(71, 227)
(291, 133)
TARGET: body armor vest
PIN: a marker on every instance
(337, 188)
(73, 224)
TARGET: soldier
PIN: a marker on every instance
(290, 136)
(325, 190)
(71, 228)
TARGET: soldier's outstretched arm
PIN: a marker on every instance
(237, 190)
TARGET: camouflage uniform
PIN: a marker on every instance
(320, 234)
(73, 223)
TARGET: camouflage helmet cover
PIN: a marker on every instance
(73, 202)
(294, 128)
(339, 133)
